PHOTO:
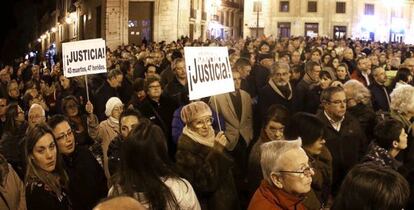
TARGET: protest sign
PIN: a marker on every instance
(208, 71)
(84, 57)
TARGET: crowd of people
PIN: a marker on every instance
(313, 123)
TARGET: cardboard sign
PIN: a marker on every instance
(208, 71)
(84, 57)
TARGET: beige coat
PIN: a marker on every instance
(234, 126)
(104, 134)
(13, 191)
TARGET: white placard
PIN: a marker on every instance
(208, 71)
(84, 57)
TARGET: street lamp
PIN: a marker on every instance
(257, 7)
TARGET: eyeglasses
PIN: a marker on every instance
(308, 171)
(64, 135)
(154, 86)
(201, 123)
(338, 102)
(35, 117)
(281, 74)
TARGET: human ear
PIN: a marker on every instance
(395, 144)
(276, 180)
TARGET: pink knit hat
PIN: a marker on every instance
(194, 110)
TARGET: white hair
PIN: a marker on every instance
(271, 153)
(35, 106)
(402, 99)
(354, 89)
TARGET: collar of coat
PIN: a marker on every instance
(279, 197)
(276, 89)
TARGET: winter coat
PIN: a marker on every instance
(347, 146)
(13, 192)
(87, 184)
(209, 172)
(41, 197)
(269, 197)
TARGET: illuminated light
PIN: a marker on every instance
(43, 36)
(68, 20)
(53, 29)
(369, 23)
(393, 3)
(39, 40)
(73, 16)
(398, 25)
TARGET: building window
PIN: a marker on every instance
(284, 6)
(340, 7)
(284, 29)
(311, 29)
(369, 9)
(312, 6)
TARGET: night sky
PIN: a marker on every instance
(19, 26)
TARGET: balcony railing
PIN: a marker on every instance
(227, 3)
(193, 13)
(204, 16)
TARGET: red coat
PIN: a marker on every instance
(268, 197)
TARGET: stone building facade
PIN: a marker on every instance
(130, 21)
(379, 20)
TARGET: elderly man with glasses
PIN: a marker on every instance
(287, 177)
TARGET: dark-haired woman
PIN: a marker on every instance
(369, 186)
(390, 139)
(153, 183)
(311, 130)
(403, 77)
(11, 143)
(46, 180)
(82, 121)
(272, 130)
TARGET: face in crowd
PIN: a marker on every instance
(336, 106)
(44, 153)
(295, 176)
(65, 138)
(127, 123)
(202, 124)
(281, 76)
(274, 130)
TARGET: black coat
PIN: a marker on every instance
(209, 172)
(379, 97)
(176, 90)
(87, 181)
(40, 197)
(347, 146)
(268, 97)
(101, 96)
(161, 114)
(366, 117)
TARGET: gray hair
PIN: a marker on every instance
(354, 89)
(35, 106)
(279, 65)
(402, 99)
(271, 153)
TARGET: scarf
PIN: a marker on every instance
(312, 83)
(206, 141)
(284, 91)
(113, 121)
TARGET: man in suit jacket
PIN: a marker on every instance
(236, 109)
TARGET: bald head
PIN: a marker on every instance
(120, 203)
